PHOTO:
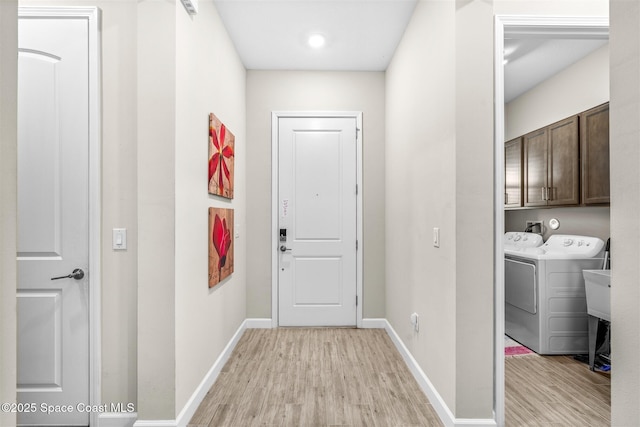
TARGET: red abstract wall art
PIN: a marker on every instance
(220, 245)
(221, 158)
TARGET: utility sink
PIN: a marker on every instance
(598, 288)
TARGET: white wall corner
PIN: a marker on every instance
(201, 391)
(156, 423)
(374, 323)
(117, 419)
(438, 403)
(471, 422)
(265, 323)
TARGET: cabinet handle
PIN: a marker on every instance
(544, 197)
(549, 193)
(506, 198)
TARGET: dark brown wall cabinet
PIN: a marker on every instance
(551, 165)
(594, 140)
(513, 173)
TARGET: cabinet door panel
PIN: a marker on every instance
(594, 137)
(564, 173)
(535, 167)
(513, 173)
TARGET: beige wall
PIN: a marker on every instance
(187, 68)
(588, 221)
(420, 174)
(474, 167)
(439, 152)
(156, 174)
(577, 88)
(625, 204)
(210, 79)
(119, 201)
(269, 91)
(552, 7)
(8, 207)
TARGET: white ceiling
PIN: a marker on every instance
(533, 60)
(362, 35)
(272, 34)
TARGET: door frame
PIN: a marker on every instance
(540, 27)
(93, 17)
(275, 169)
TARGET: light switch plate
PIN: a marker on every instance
(119, 239)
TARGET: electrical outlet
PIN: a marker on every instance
(535, 226)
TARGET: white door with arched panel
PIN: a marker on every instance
(53, 221)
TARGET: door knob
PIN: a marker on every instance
(283, 248)
(77, 274)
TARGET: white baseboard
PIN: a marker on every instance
(259, 323)
(374, 323)
(201, 391)
(117, 419)
(156, 423)
(473, 422)
(438, 403)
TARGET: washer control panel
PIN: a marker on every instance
(573, 246)
(519, 240)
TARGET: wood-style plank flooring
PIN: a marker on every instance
(355, 377)
(315, 377)
(545, 391)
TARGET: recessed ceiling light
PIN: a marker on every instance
(316, 41)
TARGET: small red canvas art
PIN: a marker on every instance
(220, 244)
(221, 158)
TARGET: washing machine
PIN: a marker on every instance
(516, 241)
(545, 300)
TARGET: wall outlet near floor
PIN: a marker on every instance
(415, 321)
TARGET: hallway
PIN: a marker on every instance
(293, 377)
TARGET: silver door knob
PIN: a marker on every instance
(283, 248)
(77, 274)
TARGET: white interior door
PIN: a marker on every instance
(53, 156)
(317, 204)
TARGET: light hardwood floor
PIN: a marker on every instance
(356, 377)
(315, 377)
(544, 391)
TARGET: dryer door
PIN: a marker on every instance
(520, 285)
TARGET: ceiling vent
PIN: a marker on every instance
(191, 6)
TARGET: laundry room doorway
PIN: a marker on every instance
(58, 215)
(538, 29)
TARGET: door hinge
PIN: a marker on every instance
(356, 189)
(356, 300)
(356, 245)
(357, 130)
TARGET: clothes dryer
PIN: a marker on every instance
(545, 300)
